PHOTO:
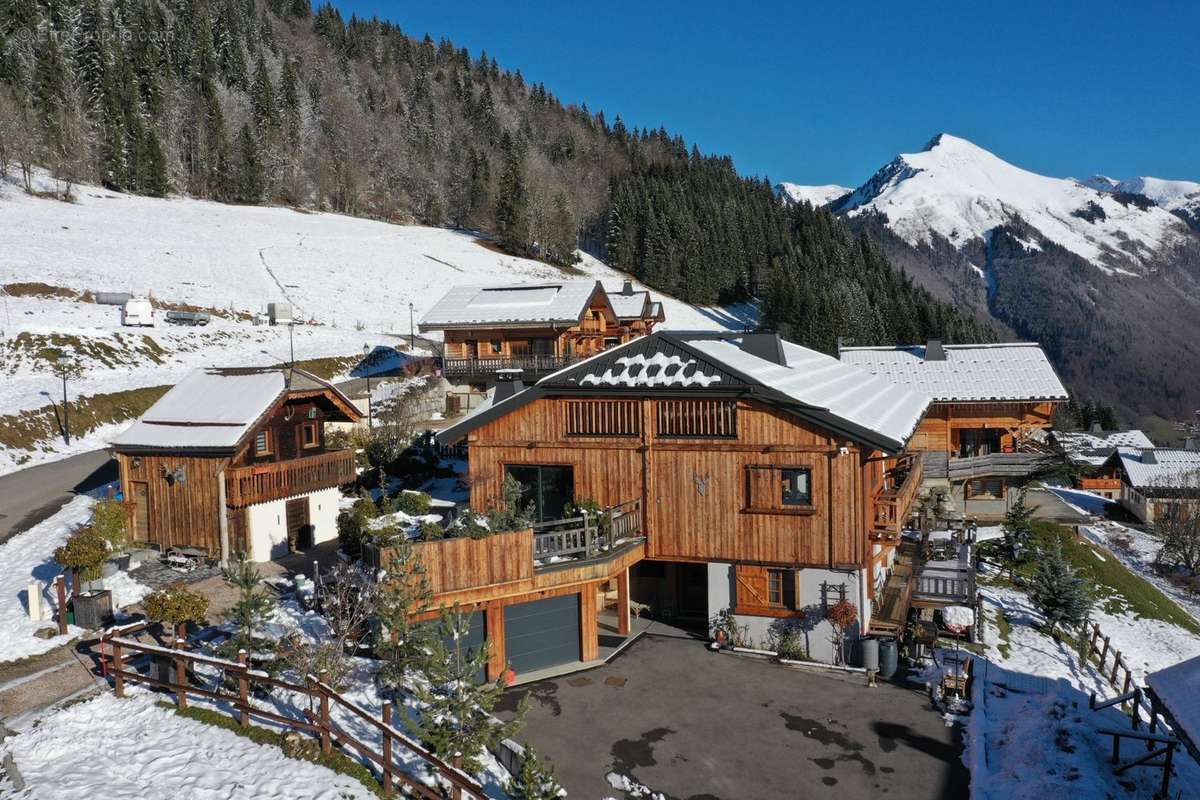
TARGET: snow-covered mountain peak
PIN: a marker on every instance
(957, 190)
(816, 195)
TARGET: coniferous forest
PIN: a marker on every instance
(271, 101)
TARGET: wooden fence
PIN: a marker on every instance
(1118, 676)
(318, 724)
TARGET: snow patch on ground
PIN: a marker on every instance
(1139, 557)
(133, 748)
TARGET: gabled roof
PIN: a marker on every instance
(969, 372)
(817, 387)
(213, 408)
(1178, 687)
(1095, 448)
(562, 302)
(1161, 468)
(634, 305)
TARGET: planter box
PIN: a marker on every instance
(93, 610)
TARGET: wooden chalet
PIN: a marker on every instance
(992, 405)
(535, 327)
(235, 460)
(1092, 450)
(738, 472)
(1156, 481)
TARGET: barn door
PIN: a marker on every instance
(141, 511)
(298, 532)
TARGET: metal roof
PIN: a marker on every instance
(630, 306)
(970, 372)
(1095, 448)
(559, 302)
(813, 385)
(1161, 467)
(213, 408)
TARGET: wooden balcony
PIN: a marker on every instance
(1094, 484)
(996, 465)
(533, 365)
(893, 502)
(586, 536)
(257, 484)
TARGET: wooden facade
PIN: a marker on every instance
(947, 426)
(178, 497)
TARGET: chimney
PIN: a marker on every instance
(767, 346)
(1191, 443)
(1097, 427)
(508, 383)
(934, 350)
(1148, 457)
(627, 288)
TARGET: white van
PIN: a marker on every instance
(137, 311)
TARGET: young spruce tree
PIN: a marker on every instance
(1059, 594)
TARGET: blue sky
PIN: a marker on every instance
(829, 92)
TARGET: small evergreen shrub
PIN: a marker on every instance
(415, 504)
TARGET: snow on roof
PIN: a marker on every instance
(629, 306)
(1178, 687)
(564, 301)
(214, 408)
(1012, 371)
(1095, 448)
(1161, 467)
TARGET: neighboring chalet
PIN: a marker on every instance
(235, 460)
(1155, 481)
(740, 472)
(986, 428)
(535, 327)
(1092, 449)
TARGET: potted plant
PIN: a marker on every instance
(110, 521)
(176, 605)
(84, 553)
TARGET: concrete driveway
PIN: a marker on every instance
(693, 724)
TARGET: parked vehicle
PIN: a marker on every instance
(188, 317)
(137, 311)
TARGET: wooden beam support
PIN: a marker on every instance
(623, 626)
(494, 628)
(589, 630)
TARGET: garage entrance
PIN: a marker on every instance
(543, 633)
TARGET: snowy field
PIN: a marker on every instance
(29, 556)
(136, 750)
(353, 278)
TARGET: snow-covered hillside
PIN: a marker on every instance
(960, 191)
(816, 195)
(353, 278)
(1164, 193)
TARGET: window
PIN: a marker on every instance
(781, 588)
(776, 489)
(495, 345)
(603, 417)
(765, 591)
(796, 487)
(545, 489)
(262, 443)
(698, 419)
(308, 435)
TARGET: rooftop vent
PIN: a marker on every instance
(767, 346)
(1148, 457)
(627, 287)
(934, 350)
(508, 383)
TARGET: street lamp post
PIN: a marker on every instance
(412, 337)
(367, 367)
(63, 362)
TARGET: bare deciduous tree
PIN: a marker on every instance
(1178, 526)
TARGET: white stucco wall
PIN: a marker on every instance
(267, 523)
(721, 595)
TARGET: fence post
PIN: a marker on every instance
(1095, 635)
(1137, 704)
(61, 589)
(1128, 680)
(387, 748)
(456, 793)
(1165, 789)
(1116, 665)
(243, 691)
(322, 679)
(1104, 655)
(118, 667)
(180, 675)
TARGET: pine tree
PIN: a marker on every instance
(154, 180)
(262, 100)
(1058, 592)
(404, 642)
(250, 178)
(535, 781)
(1018, 532)
(456, 718)
(512, 201)
(253, 607)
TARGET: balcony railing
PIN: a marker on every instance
(893, 502)
(257, 484)
(538, 364)
(1015, 465)
(588, 535)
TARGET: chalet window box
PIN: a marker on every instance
(799, 511)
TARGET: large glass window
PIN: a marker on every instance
(545, 489)
(796, 485)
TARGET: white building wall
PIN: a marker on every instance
(267, 523)
(817, 632)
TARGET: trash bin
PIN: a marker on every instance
(870, 654)
(889, 656)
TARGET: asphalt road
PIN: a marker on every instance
(692, 724)
(31, 495)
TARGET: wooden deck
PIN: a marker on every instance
(920, 583)
(891, 613)
(262, 482)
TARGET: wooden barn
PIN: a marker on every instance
(235, 460)
(535, 327)
(762, 477)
